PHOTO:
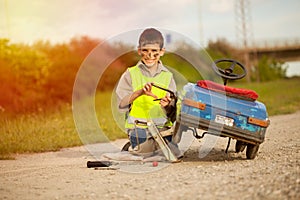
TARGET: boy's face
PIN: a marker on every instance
(150, 54)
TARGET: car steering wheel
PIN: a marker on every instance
(229, 72)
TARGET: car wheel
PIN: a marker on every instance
(126, 146)
(239, 146)
(252, 150)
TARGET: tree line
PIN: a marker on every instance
(41, 76)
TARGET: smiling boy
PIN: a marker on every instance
(137, 96)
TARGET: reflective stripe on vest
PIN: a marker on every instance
(144, 108)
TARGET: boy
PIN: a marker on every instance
(140, 99)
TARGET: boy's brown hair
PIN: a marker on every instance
(151, 36)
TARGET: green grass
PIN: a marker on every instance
(52, 131)
(280, 96)
(111, 121)
(43, 132)
(37, 133)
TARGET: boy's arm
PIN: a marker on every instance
(146, 90)
(125, 92)
(170, 104)
(127, 100)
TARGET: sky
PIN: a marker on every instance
(57, 21)
(201, 20)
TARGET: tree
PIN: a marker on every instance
(24, 71)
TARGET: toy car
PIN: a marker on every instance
(224, 111)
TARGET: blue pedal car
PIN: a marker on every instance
(224, 111)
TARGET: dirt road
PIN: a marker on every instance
(273, 174)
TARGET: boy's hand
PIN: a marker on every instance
(147, 90)
(164, 102)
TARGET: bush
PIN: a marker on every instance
(269, 69)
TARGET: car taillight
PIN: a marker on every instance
(194, 104)
(259, 122)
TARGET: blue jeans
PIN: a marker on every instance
(141, 136)
(137, 136)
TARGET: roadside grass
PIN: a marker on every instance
(37, 133)
(51, 131)
(280, 96)
(111, 121)
(41, 132)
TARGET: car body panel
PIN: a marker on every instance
(228, 107)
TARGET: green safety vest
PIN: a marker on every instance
(143, 107)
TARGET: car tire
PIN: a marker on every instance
(252, 150)
(239, 146)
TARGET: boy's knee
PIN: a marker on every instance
(137, 136)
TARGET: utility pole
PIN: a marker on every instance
(244, 31)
